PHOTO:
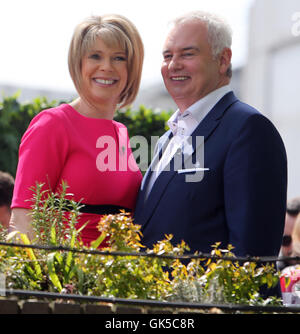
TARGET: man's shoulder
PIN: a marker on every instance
(243, 108)
(243, 112)
(244, 116)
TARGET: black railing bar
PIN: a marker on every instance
(151, 303)
(200, 256)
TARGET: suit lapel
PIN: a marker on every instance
(161, 146)
(205, 129)
(210, 123)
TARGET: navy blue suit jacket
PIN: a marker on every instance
(241, 199)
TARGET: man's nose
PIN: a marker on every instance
(175, 64)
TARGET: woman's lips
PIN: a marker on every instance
(106, 82)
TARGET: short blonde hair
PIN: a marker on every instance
(115, 31)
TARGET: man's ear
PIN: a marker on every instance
(225, 60)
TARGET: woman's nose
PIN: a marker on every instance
(105, 64)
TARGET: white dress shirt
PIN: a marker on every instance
(182, 126)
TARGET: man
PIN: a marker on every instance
(240, 195)
(292, 211)
(6, 191)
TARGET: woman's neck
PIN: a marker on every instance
(93, 111)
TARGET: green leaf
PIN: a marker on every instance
(52, 273)
(80, 277)
(96, 243)
(81, 228)
(53, 234)
(59, 258)
(70, 257)
(31, 255)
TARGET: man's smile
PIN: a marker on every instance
(179, 78)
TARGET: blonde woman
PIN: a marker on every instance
(80, 143)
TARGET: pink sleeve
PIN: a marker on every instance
(42, 155)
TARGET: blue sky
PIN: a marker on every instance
(35, 34)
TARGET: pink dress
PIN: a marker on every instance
(92, 155)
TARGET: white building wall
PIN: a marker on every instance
(271, 77)
(27, 94)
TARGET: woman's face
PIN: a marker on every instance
(104, 74)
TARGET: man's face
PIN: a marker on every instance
(288, 229)
(4, 216)
(189, 69)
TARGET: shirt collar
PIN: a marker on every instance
(199, 109)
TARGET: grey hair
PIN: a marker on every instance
(219, 32)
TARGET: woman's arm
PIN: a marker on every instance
(21, 221)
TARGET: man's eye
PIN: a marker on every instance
(166, 57)
(188, 54)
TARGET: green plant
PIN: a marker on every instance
(54, 217)
(144, 121)
(14, 120)
(222, 281)
(125, 274)
(130, 276)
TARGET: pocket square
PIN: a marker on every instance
(192, 170)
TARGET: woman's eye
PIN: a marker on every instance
(120, 58)
(94, 56)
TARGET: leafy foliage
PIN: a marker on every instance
(224, 281)
(14, 120)
(54, 217)
(144, 121)
(54, 220)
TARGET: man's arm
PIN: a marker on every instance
(255, 184)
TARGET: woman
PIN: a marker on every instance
(80, 143)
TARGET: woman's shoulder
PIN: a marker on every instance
(46, 129)
(51, 116)
(119, 125)
(121, 129)
(47, 122)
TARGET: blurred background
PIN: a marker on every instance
(35, 36)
